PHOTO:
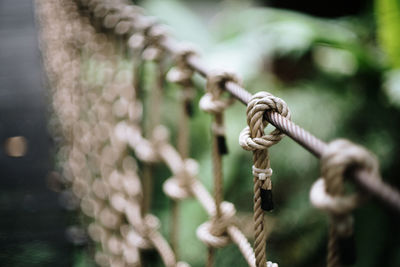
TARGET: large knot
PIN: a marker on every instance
(212, 102)
(252, 137)
(182, 73)
(213, 233)
(327, 193)
(178, 187)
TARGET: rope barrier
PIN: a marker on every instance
(100, 117)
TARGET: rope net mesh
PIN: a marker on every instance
(110, 143)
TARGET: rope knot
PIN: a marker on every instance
(262, 174)
(213, 233)
(327, 193)
(182, 72)
(212, 102)
(154, 35)
(178, 187)
(252, 137)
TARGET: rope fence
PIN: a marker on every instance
(88, 48)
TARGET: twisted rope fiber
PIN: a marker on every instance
(253, 138)
(328, 193)
(382, 191)
(122, 193)
(212, 102)
(196, 188)
(181, 74)
(385, 193)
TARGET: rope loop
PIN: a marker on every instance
(213, 233)
(179, 187)
(154, 35)
(212, 102)
(182, 73)
(262, 174)
(252, 137)
(328, 194)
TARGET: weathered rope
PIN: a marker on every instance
(102, 175)
(181, 74)
(111, 194)
(253, 138)
(212, 102)
(328, 194)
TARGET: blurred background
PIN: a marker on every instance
(335, 63)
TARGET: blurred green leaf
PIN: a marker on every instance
(388, 20)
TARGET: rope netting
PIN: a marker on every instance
(93, 52)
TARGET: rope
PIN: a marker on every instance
(100, 120)
(327, 194)
(253, 138)
(212, 233)
(181, 74)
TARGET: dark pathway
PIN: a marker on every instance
(32, 223)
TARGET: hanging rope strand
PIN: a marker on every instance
(253, 138)
(181, 74)
(107, 193)
(212, 102)
(328, 194)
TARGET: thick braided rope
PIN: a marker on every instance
(253, 138)
(328, 193)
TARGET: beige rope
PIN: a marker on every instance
(116, 194)
(213, 103)
(253, 138)
(181, 74)
(328, 194)
(96, 144)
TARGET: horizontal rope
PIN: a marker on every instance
(385, 193)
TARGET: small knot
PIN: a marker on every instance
(262, 174)
(327, 193)
(175, 189)
(182, 72)
(218, 129)
(154, 36)
(213, 233)
(338, 205)
(179, 187)
(252, 137)
(212, 102)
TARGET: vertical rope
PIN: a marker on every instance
(181, 74)
(328, 194)
(153, 52)
(253, 138)
(213, 103)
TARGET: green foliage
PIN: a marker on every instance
(388, 18)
